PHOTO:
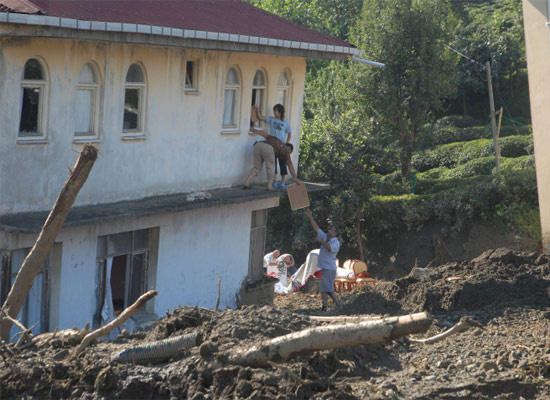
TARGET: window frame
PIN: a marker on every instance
(106, 248)
(285, 88)
(139, 131)
(42, 119)
(95, 88)
(228, 129)
(194, 88)
(258, 229)
(263, 97)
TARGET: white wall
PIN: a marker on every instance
(184, 149)
(536, 14)
(195, 249)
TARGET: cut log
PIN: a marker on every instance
(37, 256)
(122, 318)
(330, 337)
(345, 318)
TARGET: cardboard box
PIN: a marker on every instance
(297, 194)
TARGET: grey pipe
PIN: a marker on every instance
(157, 351)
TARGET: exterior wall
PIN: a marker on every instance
(184, 149)
(194, 250)
(537, 37)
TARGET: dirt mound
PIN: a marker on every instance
(506, 291)
(497, 277)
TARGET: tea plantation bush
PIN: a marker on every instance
(453, 202)
(454, 154)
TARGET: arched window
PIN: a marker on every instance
(134, 100)
(87, 102)
(34, 87)
(259, 92)
(231, 99)
(283, 90)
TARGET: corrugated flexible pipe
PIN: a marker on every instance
(157, 351)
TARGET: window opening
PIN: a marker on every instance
(87, 102)
(259, 95)
(33, 86)
(123, 261)
(191, 76)
(231, 99)
(35, 310)
(283, 91)
(133, 100)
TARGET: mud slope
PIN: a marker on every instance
(506, 357)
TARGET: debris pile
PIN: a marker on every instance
(505, 355)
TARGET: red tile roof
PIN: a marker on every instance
(226, 16)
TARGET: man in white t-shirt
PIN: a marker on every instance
(270, 261)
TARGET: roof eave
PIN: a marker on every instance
(68, 28)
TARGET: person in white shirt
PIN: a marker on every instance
(270, 261)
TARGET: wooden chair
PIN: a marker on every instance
(361, 276)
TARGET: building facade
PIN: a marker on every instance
(536, 19)
(168, 102)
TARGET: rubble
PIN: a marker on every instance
(506, 355)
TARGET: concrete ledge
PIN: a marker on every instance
(31, 222)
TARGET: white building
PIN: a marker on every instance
(164, 88)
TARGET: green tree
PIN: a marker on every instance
(333, 17)
(491, 31)
(411, 37)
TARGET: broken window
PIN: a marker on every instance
(134, 100)
(35, 312)
(191, 76)
(231, 99)
(283, 91)
(259, 95)
(257, 244)
(122, 276)
(33, 89)
(87, 102)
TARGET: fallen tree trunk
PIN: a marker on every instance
(72, 336)
(330, 337)
(346, 318)
(37, 256)
(122, 318)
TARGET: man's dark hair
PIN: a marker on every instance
(291, 146)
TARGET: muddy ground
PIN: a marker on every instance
(507, 356)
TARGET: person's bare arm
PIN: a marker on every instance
(289, 135)
(311, 220)
(259, 132)
(259, 113)
(323, 243)
(293, 172)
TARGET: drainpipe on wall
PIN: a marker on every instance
(376, 64)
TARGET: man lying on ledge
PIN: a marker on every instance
(266, 151)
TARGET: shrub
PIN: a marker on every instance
(452, 201)
(454, 154)
(459, 121)
(450, 134)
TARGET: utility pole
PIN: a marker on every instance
(493, 119)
